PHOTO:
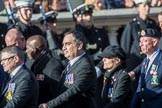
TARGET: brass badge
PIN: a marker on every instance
(143, 33)
(9, 95)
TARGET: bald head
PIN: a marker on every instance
(15, 37)
(34, 45)
(37, 41)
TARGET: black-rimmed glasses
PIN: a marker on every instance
(7, 58)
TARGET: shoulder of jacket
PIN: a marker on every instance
(134, 20)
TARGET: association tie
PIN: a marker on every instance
(104, 90)
(144, 73)
(68, 66)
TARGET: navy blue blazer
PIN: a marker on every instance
(21, 91)
(149, 92)
(2, 76)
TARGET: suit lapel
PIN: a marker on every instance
(76, 64)
(12, 80)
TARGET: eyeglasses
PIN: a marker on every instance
(7, 58)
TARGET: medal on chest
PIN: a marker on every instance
(11, 89)
(154, 76)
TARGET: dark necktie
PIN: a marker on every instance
(146, 64)
(68, 66)
(104, 90)
(144, 73)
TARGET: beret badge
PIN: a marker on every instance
(143, 33)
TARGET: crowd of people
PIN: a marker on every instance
(79, 68)
(62, 5)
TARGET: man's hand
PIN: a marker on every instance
(132, 75)
(44, 105)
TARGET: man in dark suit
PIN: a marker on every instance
(21, 88)
(2, 76)
(149, 91)
(116, 84)
(46, 67)
(77, 87)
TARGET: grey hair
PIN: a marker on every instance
(14, 50)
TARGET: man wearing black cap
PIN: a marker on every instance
(149, 91)
(97, 37)
(24, 13)
(116, 84)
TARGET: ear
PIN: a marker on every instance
(16, 59)
(117, 60)
(154, 42)
(80, 45)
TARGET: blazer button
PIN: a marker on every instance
(142, 100)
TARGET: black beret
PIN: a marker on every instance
(113, 51)
(83, 9)
(150, 32)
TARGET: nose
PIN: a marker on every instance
(2, 63)
(63, 47)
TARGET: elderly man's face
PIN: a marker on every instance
(147, 45)
(110, 63)
(8, 62)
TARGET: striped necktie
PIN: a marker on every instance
(144, 73)
(68, 66)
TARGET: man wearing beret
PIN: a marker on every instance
(24, 13)
(116, 84)
(149, 90)
(130, 36)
